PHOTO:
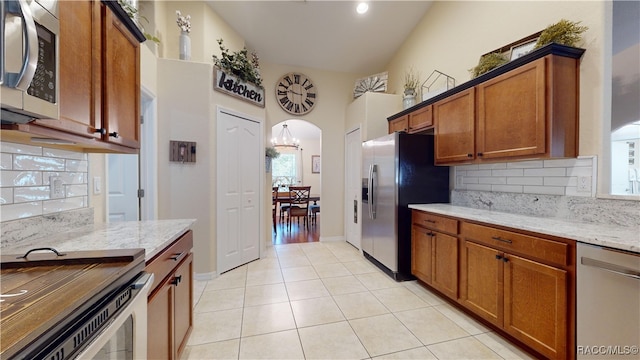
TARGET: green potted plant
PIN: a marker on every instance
(270, 153)
(239, 63)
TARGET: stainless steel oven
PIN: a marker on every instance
(29, 60)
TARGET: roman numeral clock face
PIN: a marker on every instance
(296, 93)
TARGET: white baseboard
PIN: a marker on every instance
(205, 276)
(332, 238)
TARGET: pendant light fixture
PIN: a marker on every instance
(285, 139)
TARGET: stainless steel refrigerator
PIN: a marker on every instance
(398, 170)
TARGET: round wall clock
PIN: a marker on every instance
(296, 93)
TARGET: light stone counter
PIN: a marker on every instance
(152, 236)
(613, 236)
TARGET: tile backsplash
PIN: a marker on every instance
(546, 177)
(25, 174)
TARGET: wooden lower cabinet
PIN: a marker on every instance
(445, 264)
(421, 253)
(525, 298)
(169, 307)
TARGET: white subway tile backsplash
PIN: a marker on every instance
(6, 196)
(565, 163)
(492, 180)
(77, 190)
(525, 180)
(545, 190)
(478, 172)
(13, 148)
(6, 161)
(479, 187)
(20, 211)
(77, 165)
(507, 188)
(58, 205)
(66, 154)
(30, 194)
(468, 167)
(24, 180)
(9, 178)
(492, 166)
(508, 172)
(548, 177)
(561, 181)
(30, 162)
(525, 164)
(545, 172)
(580, 171)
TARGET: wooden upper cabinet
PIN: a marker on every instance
(79, 69)
(511, 113)
(454, 119)
(399, 124)
(121, 66)
(421, 119)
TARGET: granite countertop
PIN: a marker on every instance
(152, 236)
(613, 236)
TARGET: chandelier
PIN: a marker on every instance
(285, 139)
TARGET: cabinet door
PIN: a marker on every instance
(79, 69)
(454, 128)
(183, 318)
(421, 253)
(481, 287)
(159, 323)
(399, 124)
(535, 305)
(512, 113)
(445, 264)
(121, 66)
(421, 119)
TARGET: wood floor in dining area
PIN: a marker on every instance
(297, 233)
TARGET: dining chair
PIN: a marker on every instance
(298, 204)
(284, 205)
(314, 210)
(274, 206)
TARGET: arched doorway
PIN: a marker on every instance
(298, 165)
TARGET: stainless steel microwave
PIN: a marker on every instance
(29, 60)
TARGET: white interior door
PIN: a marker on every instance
(123, 187)
(239, 166)
(353, 203)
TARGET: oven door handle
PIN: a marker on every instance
(21, 80)
(616, 269)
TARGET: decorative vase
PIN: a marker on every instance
(267, 164)
(185, 46)
(408, 101)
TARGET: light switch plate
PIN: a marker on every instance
(56, 187)
(97, 185)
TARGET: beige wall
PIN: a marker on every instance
(453, 35)
(370, 112)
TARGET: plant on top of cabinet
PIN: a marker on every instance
(487, 63)
(239, 64)
(563, 32)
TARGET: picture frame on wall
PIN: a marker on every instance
(315, 164)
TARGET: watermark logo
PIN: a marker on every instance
(624, 350)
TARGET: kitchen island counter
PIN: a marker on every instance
(153, 236)
(612, 236)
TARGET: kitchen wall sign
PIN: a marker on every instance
(232, 85)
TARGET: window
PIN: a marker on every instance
(284, 170)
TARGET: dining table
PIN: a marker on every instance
(283, 197)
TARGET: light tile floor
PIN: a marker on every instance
(326, 301)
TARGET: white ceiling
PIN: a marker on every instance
(323, 34)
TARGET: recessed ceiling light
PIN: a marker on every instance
(362, 8)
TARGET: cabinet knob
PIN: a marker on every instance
(101, 131)
(176, 257)
(176, 280)
(498, 257)
(469, 155)
(480, 154)
(114, 135)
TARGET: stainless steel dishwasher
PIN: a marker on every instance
(608, 303)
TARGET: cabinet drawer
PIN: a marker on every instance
(435, 222)
(165, 262)
(421, 119)
(547, 250)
